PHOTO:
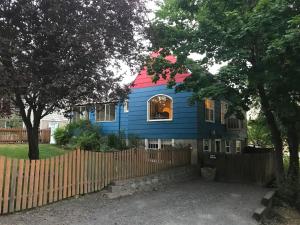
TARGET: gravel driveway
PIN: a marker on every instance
(192, 202)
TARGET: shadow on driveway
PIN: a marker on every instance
(192, 202)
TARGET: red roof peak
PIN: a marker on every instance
(144, 80)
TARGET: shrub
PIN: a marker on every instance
(82, 134)
(133, 141)
(116, 141)
(61, 136)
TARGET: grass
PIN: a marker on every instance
(20, 151)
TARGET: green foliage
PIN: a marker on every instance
(259, 43)
(61, 136)
(117, 141)
(82, 134)
(133, 141)
(258, 133)
(87, 136)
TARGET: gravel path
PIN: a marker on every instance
(193, 202)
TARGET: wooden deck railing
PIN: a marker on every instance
(25, 184)
(17, 135)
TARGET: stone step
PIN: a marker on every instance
(259, 213)
(268, 198)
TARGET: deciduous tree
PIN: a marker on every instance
(56, 53)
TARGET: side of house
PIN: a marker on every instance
(162, 118)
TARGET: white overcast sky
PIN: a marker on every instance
(129, 76)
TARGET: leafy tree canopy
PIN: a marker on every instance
(55, 53)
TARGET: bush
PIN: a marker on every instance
(61, 136)
(82, 134)
(117, 141)
(133, 141)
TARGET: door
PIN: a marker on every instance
(53, 126)
(218, 145)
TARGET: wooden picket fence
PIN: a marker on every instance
(26, 184)
(19, 135)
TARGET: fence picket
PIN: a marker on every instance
(31, 183)
(19, 185)
(13, 186)
(56, 179)
(36, 183)
(85, 172)
(60, 177)
(73, 184)
(70, 160)
(19, 135)
(78, 164)
(65, 176)
(41, 185)
(2, 161)
(25, 184)
(7, 184)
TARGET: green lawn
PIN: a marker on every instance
(20, 151)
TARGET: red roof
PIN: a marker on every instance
(144, 80)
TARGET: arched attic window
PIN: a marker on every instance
(160, 108)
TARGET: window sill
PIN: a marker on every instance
(160, 120)
(210, 121)
(105, 121)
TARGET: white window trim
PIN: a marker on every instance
(224, 108)
(126, 106)
(220, 145)
(236, 141)
(159, 120)
(214, 117)
(229, 141)
(159, 141)
(209, 145)
(105, 121)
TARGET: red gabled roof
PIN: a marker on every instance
(144, 80)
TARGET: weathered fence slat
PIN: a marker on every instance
(19, 135)
(19, 185)
(25, 184)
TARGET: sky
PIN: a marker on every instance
(128, 76)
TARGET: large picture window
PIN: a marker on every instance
(209, 110)
(160, 107)
(105, 112)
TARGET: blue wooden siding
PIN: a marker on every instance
(119, 124)
(188, 121)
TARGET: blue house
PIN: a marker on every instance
(162, 118)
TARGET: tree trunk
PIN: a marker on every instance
(32, 125)
(293, 142)
(275, 135)
(33, 142)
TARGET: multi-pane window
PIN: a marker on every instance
(160, 108)
(233, 123)
(206, 145)
(227, 146)
(209, 110)
(238, 146)
(80, 113)
(105, 112)
(152, 143)
(224, 108)
(166, 144)
(155, 144)
(126, 106)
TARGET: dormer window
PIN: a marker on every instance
(160, 108)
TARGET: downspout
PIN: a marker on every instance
(119, 119)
